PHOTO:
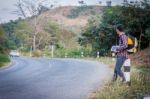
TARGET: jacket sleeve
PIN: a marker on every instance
(124, 44)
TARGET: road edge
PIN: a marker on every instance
(91, 95)
(7, 65)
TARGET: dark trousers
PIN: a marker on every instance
(117, 70)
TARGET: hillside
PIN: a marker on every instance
(69, 21)
(142, 58)
(72, 18)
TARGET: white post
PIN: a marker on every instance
(52, 53)
(113, 56)
(30, 51)
(82, 54)
(97, 54)
(127, 67)
(66, 55)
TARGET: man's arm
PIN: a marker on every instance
(124, 45)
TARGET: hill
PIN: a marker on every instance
(61, 25)
(72, 18)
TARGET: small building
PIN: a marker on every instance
(108, 3)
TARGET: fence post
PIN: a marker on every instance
(127, 67)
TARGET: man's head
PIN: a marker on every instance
(119, 29)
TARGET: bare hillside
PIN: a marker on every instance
(72, 18)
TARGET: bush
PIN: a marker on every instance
(72, 53)
(3, 59)
(37, 53)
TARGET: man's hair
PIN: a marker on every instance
(120, 27)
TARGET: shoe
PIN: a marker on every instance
(123, 80)
(114, 78)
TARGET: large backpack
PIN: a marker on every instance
(132, 43)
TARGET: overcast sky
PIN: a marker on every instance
(7, 6)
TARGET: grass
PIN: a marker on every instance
(140, 85)
(107, 60)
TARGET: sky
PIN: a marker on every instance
(8, 6)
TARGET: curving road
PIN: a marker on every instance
(43, 78)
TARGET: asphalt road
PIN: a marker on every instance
(43, 78)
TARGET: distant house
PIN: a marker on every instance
(108, 3)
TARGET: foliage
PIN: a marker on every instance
(53, 29)
(5, 43)
(3, 59)
(4, 47)
(72, 53)
(12, 40)
(100, 35)
(37, 53)
(147, 33)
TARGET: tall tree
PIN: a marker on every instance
(31, 9)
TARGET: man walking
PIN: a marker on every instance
(121, 53)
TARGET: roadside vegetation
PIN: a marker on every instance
(100, 35)
(140, 81)
(4, 60)
(140, 87)
(37, 34)
(4, 46)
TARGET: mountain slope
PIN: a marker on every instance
(73, 18)
(69, 21)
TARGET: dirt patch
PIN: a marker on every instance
(142, 58)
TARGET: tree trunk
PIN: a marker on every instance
(34, 42)
(140, 40)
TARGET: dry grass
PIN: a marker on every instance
(140, 87)
(140, 84)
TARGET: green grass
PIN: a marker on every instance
(140, 85)
(3, 59)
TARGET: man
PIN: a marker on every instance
(121, 53)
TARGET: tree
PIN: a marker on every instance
(4, 45)
(31, 9)
(138, 14)
(135, 18)
(11, 40)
